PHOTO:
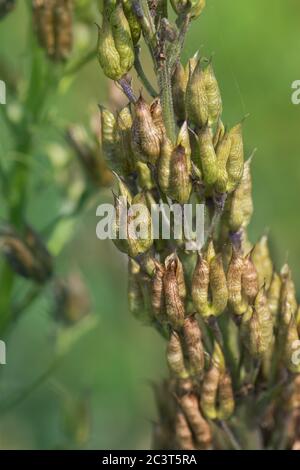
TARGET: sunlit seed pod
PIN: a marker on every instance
(250, 285)
(175, 357)
(218, 285)
(157, 116)
(197, 6)
(291, 348)
(213, 95)
(236, 299)
(173, 258)
(6, 6)
(193, 346)
(198, 424)
(183, 433)
(145, 136)
(179, 84)
(196, 98)
(123, 137)
(273, 296)
(175, 310)
(262, 259)
(222, 152)
(122, 38)
(135, 27)
(207, 156)
(257, 326)
(135, 294)
(180, 184)
(225, 397)
(200, 284)
(239, 208)
(158, 304)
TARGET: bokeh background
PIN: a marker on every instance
(255, 45)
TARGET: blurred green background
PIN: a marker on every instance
(255, 45)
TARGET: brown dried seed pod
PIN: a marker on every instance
(180, 184)
(175, 357)
(236, 299)
(209, 391)
(193, 345)
(199, 426)
(179, 273)
(250, 285)
(183, 434)
(174, 305)
(146, 137)
(158, 305)
(225, 397)
(200, 283)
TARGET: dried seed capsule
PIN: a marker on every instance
(180, 185)
(179, 84)
(6, 6)
(199, 426)
(263, 263)
(239, 206)
(236, 294)
(173, 258)
(158, 291)
(135, 294)
(200, 284)
(174, 305)
(196, 98)
(145, 135)
(193, 346)
(213, 95)
(250, 285)
(207, 156)
(257, 326)
(175, 357)
(273, 296)
(135, 27)
(225, 397)
(183, 434)
(210, 385)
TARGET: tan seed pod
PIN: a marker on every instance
(199, 426)
(222, 152)
(219, 133)
(179, 273)
(175, 310)
(213, 95)
(288, 301)
(200, 284)
(209, 391)
(193, 346)
(225, 397)
(180, 185)
(250, 285)
(196, 98)
(175, 357)
(237, 302)
(218, 285)
(183, 434)
(158, 291)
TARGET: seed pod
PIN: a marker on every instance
(194, 7)
(239, 206)
(213, 95)
(193, 346)
(273, 296)
(122, 38)
(157, 116)
(140, 236)
(175, 357)
(236, 299)
(222, 151)
(109, 138)
(158, 305)
(196, 98)
(235, 164)
(183, 434)
(145, 135)
(250, 285)
(174, 305)
(179, 84)
(210, 385)
(108, 55)
(257, 326)
(225, 397)
(218, 286)
(173, 258)
(145, 179)
(135, 294)
(199, 426)
(200, 284)
(291, 354)
(71, 300)
(288, 302)
(219, 133)
(208, 159)
(164, 164)
(6, 6)
(123, 138)
(135, 27)
(180, 185)
(262, 261)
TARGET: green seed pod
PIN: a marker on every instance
(235, 164)
(158, 298)
(193, 346)
(122, 38)
(183, 434)
(262, 259)
(236, 299)
(257, 326)
(199, 426)
(196, 98)
(208, 159)
(145, 136)
(135, 294)
(123, 137)
(194, 7)
(179, 84)
(222, 151)
(164, 164)
(135, 27)
(239, 206)
(209, 392)
(213, 95)
(174, 305)
(273, 296)
(6, 6)
(108, 55)
(175, 357)
(141, 244)
(225, 397)
(218, 285)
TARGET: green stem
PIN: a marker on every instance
(141, 74)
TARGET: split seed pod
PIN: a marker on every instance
(196, 98)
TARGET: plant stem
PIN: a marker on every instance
(141, 74)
